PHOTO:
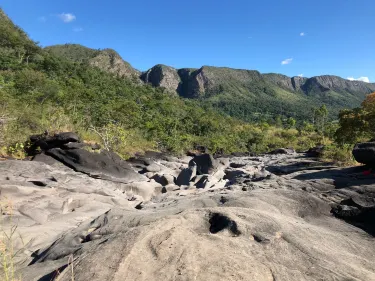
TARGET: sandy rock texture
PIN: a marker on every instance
(272, 217)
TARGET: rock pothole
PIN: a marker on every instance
(219, 222)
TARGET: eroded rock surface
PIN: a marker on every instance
(272, 217)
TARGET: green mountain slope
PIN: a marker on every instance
(71, 87)
(47, 89)
(248, 94)
(107, 59)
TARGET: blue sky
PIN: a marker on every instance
(293, 37)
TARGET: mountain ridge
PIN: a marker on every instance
(245, 94)
(107, 59)
(224, 86)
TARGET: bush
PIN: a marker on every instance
(340, 155)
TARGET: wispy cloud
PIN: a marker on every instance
(67, 17)
(78, 29)
(287, 61)
(42, 19)
(300, 75)
(302, 34)
(363, 79)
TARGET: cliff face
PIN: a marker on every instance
(241, 93)
(329, 82)
(280, 80)
(162, 76)
(194, 83)
(248, 93)
(107, 59)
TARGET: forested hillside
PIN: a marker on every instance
(73, 88)
(41, 90)
(244, 94)
(250, 95)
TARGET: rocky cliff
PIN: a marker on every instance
(240, 92)
(193, 83)
(107, 59)
(162, 76)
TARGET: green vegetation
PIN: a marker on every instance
(249, 95)
(73, 52)
(57, 89)
(357, 124)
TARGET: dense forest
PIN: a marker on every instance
(41, 91)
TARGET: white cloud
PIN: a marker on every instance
(300, 75)
(287, 61)
(42, 19)
(302, 34)
(77, 29)
(67, 17)
(363, 79)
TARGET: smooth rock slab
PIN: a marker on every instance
(105, 165)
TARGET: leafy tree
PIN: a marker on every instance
(358, 123)
(278, 121)
(320, 117)
(291, 122)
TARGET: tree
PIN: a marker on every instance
(320, 117)
(369, 103)
(291, 122)
(278, 121)
(357, 124)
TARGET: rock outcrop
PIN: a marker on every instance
(365, 153)
(67, 149)
(193, 83)
(108, 60)
(162, 76)
(270, 217)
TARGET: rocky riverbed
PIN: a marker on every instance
(274, 217)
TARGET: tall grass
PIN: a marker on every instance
(7, 252)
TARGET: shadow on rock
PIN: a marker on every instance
(358, 211)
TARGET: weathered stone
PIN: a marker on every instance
(205, 163)
(365, 153)
(104, 165)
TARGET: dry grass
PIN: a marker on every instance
(7, 252)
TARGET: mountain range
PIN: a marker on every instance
(245, 94)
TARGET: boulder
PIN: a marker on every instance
(365, 153)
(206, 181)
(315, 151)
(153, 168)
(42, 157)
(146, 190)
(232, 174)
(105, 165)
(45, 142)
(164, 179)
(359, 211)
(187, 174)
(205, 163)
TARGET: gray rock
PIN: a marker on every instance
(105, 165)
(315, 151)
(205, 163)
(164, 179)
(365, 153)
(239, 230)
(153, 168)
(187, 174)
